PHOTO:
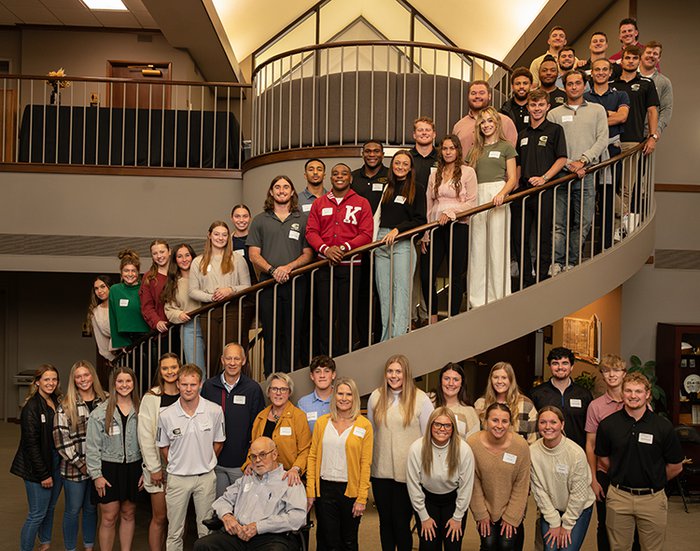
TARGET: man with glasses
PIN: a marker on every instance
(260, 510)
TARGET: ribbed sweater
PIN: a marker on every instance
(202, 286)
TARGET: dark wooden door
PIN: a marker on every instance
(148, 92)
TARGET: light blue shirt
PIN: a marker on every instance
(314, 407)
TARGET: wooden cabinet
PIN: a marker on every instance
(678, 370)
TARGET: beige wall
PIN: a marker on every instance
(608, 23)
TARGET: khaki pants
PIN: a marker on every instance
(628, 179)
(647, 513)
(202, 488)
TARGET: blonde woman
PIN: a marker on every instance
(83, 395)
(399, 414)
(493, 158)
(440, 476)
(503, 388)
(338, 468)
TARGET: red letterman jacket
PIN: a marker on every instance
(349, 223)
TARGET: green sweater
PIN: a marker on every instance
(125, 314)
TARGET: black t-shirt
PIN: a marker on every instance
(517, 113)
(398, 213)
(168, 399)
(370, 188)
(239, 244)
(573, 404)
(538, 149)
(638, 450)
(269, 428)
(642, 93)
(91, 404)
(422, 165)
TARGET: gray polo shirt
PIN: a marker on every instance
(306, 199)
(279, 242)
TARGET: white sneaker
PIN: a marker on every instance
(554, 269)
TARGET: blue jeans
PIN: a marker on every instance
(77, 497)
(574, 221)
(396, 288)
(193, 344)
(578, 532)
(42, 502)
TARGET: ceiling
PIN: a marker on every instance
(73, 13)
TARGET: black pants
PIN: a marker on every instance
(526, 212)
(343, 298)
(279, 337)
(605, 203)
(223, 541)
(601, 532)
(497, 542)
(334, 513)
(440, 249)
(440, 507)
(395, 511)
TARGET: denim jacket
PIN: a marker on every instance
(101, 446)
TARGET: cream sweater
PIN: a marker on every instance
(202, 286)
(561, 482)
(182, 303)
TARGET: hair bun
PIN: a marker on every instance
(130, 254)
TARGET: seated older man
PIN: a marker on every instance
(259, 510)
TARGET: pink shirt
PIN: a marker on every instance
(447, 200)
(598, 410)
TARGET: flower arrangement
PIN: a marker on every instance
(56, 82)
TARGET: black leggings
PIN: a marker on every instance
(334, 513)
(497, 542)
(440, 507)
(439, 249)
(395, 512)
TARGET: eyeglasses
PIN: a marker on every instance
(442, 426)
(261, 456)
(279, 389)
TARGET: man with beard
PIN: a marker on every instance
(556, 41)
(549, 72)
(516, 106)
(277, 245)
(314, 173)
(567, 61)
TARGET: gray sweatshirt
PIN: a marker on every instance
(585, 129)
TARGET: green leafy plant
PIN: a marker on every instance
(648, 369)
(586, 380)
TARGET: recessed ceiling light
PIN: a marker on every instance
(112, 5)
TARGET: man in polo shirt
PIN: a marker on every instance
(259, 510)
(648, 68)
(423, 152)
(314, 174)
(549, 73)
(318, 402)
(541, 157)
(562, 392)
(277, 245)
(516, 107)
(190, 436)
(642, 453)
(241, 399)
(612, 369)
(616, 104)
(556, 41)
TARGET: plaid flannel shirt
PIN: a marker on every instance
(70, 443)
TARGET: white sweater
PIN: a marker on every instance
(202, 286)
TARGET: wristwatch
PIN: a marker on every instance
(271, 270)
(343, 248)
(655, 136)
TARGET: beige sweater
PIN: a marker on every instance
(561, 482)
(501, 481)
(182, 302)
(202, 286)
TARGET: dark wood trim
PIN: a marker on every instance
(165, 172)
(303, 153)
(650, 260)
(677, 188)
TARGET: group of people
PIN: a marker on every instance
(261, 469)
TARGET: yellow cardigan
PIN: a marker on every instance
(358, 452)
(292, 447)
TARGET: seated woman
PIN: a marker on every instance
(561, 483)
(452, 189)
(339, 465)
(501, 481)
(126, 323)
(440, 476)
(503, 388)
(286, 424)
(452, 393)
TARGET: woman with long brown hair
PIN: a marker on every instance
(98, 315)
(152, 285)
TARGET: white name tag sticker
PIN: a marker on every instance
(43, 418)
(523, 142)
(494, 154)
(400, 199)
(123, 302)
(433, 169)
(116, 430)
(239, 400)
(285, 431)
(239, 251)
(306, 208)
(377, 187)
(247, 486)
(509, 458)
(575, 403)
(526, 118)
(293, 234)
(311, 415)
(328, 211)
(561, 468)
(461, 427)
(359, 431)
(645, 438)
(567, 118)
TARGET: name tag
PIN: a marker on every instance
(209, 268)
(461, 427)
(293, 234)
(433, 169)
(239, 400)
(509, 458)
(328, 211)
(526, 118)
(43, 418)
(575, 403)
(123, 302)
(247, 486)
(377, 187)
(311, 415)
(561, 468)
(117, 431)
(239, 251)
(645, 438)
(400, 199)
(285, 431)
(359, 431)
(494, 154)
(306, 208)
(523, 142)
(567, 118)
